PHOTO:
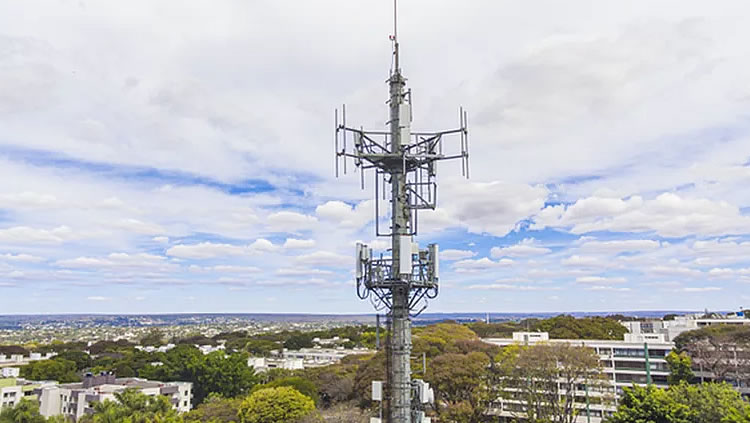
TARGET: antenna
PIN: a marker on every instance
(401, 280)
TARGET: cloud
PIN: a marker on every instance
(292, 243)
(28, 200)
(301, 271)
(668, 215)
(525, 248)
(452, 255)
(117, 260)
(344, 215)
(325, 258)
(494, 208)
(607, 288)
(137, 226)
(98, 298)
(480, 265)
(26, 258)
(701, 289)
(600, 279)
(288, 221)
(26, 235)
(619, 246)
(509, 287)
(263, 245)
(206, 250)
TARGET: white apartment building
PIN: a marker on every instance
(636, 360)
(74, 400)
(316, 357)
(13, 390)
(670, 329)
(263, 364)
(10, 372)
(15, 359)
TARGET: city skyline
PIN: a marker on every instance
(169, 160)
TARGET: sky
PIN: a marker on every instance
(164, 157)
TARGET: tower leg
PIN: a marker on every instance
(401, 352)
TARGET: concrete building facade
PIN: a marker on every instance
(637, 360)
(74, 400)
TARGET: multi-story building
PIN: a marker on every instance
(316, 357)
(670, 329)
(12, 390)
(639, 359)
(10, 372)
(73, 400)
(263, 364)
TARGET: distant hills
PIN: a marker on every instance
(140, 320)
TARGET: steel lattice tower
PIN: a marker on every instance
(403, 281)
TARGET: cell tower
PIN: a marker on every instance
(401, 280)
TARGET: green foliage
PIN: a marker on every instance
(299, 340)
(649, 405)
(276, 405)
(303, 386)
(81, 359)
(259, 347)
(559, 327)
(545, 377)
(728, 333)
(215, 409)
(13, 349)
(229, 376)
(683, 403)
(155, 338)
(25, 411)
(441, 338)
(133, 407)
(61, 370)
(461, 384)
(116, 347)
(568, 327)
(680, 368)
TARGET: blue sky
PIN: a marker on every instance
(162, 159)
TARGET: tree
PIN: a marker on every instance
(649, 405)
(133, 407)
(81, 359)
(303, 386)
(229, 376)
(722, 350)
(25, 411)
(299, 340)
(680, 368)
(60, 370)
(460, 382)
(708, 402)
(215, 409)
(546, 377)
(155, 338)
(683, 403)
(276, 405)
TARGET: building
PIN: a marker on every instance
(10, 372)
(263, 364)
(670, 329)
(317, 357)
(639, 359)
(12, 390)
(16, 359)
(74, 400)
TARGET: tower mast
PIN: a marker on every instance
(403, 282)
